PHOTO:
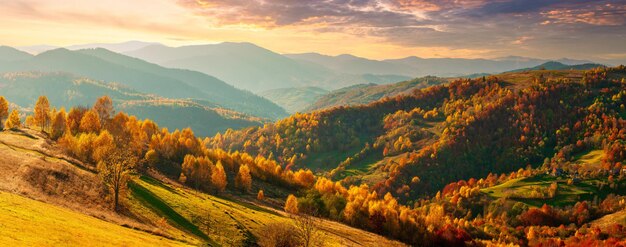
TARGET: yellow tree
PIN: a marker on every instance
(42, 112)
(59, 124)
(90, 122)
(115, 170)
(243, 180)
(260, 196)
(74, 118)
(4, 109)
(14, 120)
(104, 108)
(103, 146)
(291, 205)
(218, 178)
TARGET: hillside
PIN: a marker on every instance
(364, 94)
(30, 216)
(146, 78)
(60, 201)
(294, 99)
(450, 142)
(385, 141)
(67, 90)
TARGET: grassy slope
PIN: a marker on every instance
(26, 222)
(164, 209)
(227, 220)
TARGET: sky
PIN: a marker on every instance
(378, 29)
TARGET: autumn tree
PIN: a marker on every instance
(14, 120)
(218, 178)
(74, 117)
(4, 109)
(243, 180)
(260, 196)
(115, 170)
(104, 109)
(103, 146)
(42, 112)
(59, 124)
(291, 205)
(90, 123)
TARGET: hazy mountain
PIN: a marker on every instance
(66, 90)
(115, 47)
(416, 66)
(9, 54)
(294, 99)
(241, 64)
(147, 78)
(553, 65)
(356, 65)
(254, 68)
(36, 49)
(216, 90)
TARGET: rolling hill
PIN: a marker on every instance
(367, 93)
(50, 199)
(294, 99)
(66, 90)
(147, 78)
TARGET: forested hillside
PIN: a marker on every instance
(413, 147)
(144, 185)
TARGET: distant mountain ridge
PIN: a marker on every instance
(554, 65)
(144, 77)
(250, 67)
(417, 67)
(115, 47)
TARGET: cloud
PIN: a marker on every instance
(454, 23)
(377, 28)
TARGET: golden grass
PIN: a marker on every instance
(26, 222)
(234, 222)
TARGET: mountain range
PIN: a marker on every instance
(248, 66)
(102, 64)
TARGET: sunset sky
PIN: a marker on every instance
(376, 29)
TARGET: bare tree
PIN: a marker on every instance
(306, 228)
(279, 234)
